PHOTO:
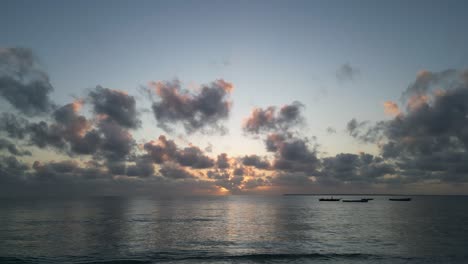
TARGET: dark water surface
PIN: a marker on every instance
(234, 229)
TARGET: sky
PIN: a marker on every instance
(233, 97)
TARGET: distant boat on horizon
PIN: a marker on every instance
(400, 199)
(356, 201)
(329, 199)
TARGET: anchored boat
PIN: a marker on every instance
(356, 201)
(329, 199)
(400, 199)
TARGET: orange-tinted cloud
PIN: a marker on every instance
(391, 108)
(416, 101)
(195, 111)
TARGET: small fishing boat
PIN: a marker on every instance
(356, 201)
(329, 199)
(400, 199)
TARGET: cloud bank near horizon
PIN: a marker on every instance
(91, 140)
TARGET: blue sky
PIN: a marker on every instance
(281, 50)
(273, 52)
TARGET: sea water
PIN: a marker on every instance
(233, 229)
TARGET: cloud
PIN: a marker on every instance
(218, 174)
(71, 132)
(115, 105)
(265, 120)
(164, 150)
(43, 135)
(233, 184)
(6, 144)
(346, 167)
(193, 157)
(22, 83)
(256, 161)
(11, 169)
(143, 167)
(426, 80)
(76, 129)
(331, 130)
(283, 179)
(173, 171)
(366, 132)
(430, 140)
(347, 72)
(195, 111)
(426, 140)
(294, 155)
(391, 108)
(223, 161)
(161, 150)
(116, 143)
(255, 183)
(14, 126)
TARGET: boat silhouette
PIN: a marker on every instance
(400, 199)
(329, 199)
(356, 201)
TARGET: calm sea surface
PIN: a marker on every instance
(234, 229)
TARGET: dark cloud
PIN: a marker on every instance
(194, 157)
(164, 150)
(143, 167)
(430, 140)
(346, 168)
(14, 126)
(295, 155)
(11, 170)
(269, 119)
(115, 105)
(254, 183)
(235, 180)
(347, 72)
(240, 171)
(44, 135)
(88, 144)
(116, 167)
(274, 141)
(426, 80)
(218, 174)
(72, 178)
(71, 133)
(66, 173)
(223, 161)
(174, 171)
(161, 150)
(116, 143)
(233, 184)
(283, 179)
(22, 83)
(76, 129)
(7, 145)
(366, 132)
(292, 153)
(256, 161)
(201, 111)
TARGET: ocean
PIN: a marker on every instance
(233, 229)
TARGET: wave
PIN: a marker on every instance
(175, 257)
